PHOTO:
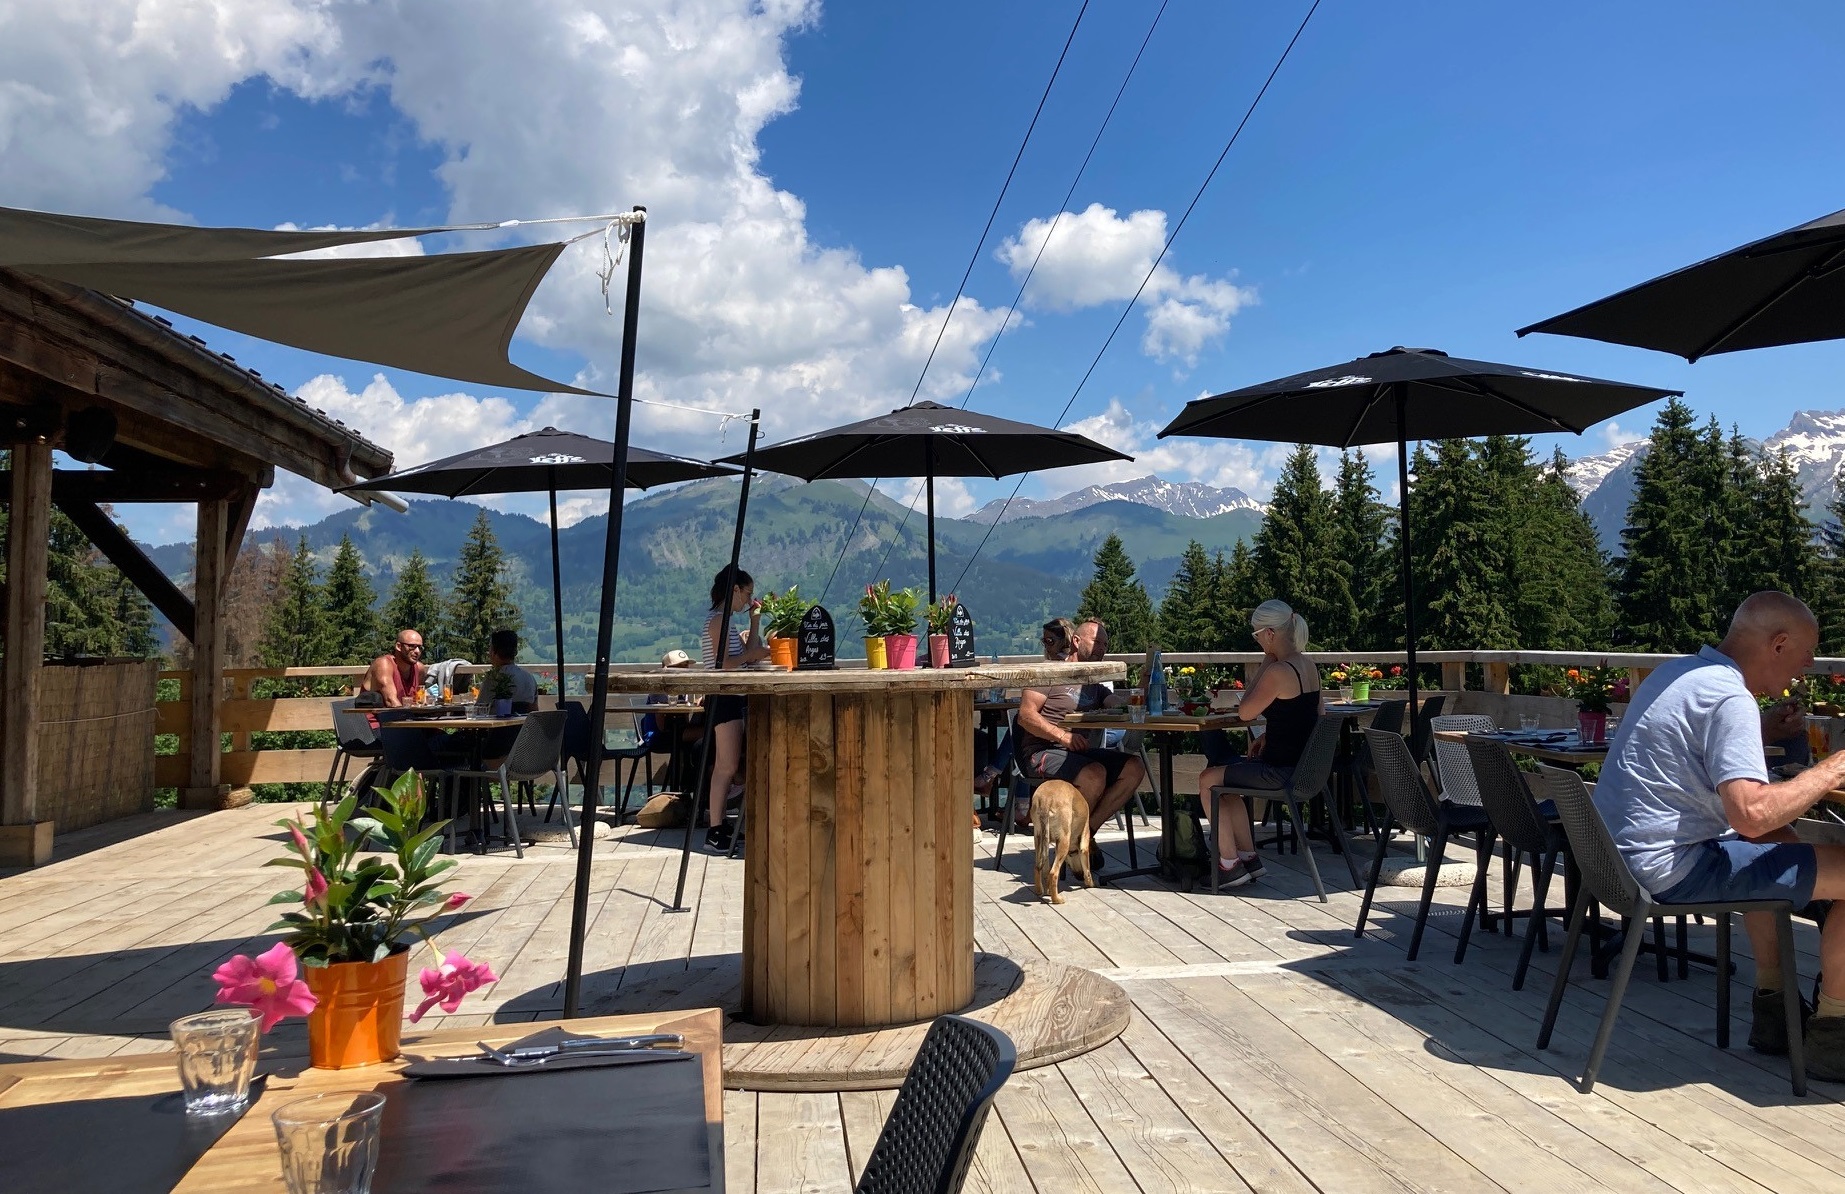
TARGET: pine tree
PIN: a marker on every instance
(352, 622)
(1677, 527)
(480, 601)
(415, 604)
(1783, 556)
(1458, 548)
(1118, 599)
(296, 634)
(254, 587)
(1561, 598)
(1188, 615)
(1359, 524)
(1829, 584)
(1294, 556)
(1236, 597)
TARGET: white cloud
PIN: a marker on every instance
(1614, 435)
(408, 246)
(1223, 463)
(952, 499)
(1095, 256)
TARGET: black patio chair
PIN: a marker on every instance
(1388, 718)
(536, 753)
(928, 1140)
(358, 739)
(1606, 879)
(1307, 784)
(1424, 735)
(1528, 833)
(1418, 811)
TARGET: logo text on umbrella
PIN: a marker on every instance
(557, 458)
(957, 429)
(1334, 382)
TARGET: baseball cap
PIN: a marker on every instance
(675, 658)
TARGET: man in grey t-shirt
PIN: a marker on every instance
(1687, 797)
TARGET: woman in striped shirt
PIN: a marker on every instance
(724, 714)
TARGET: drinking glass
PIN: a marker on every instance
(217, 1059)
(1137, 705)
(330, 1141)
(1527, 721)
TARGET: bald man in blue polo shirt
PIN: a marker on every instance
(1687, 796)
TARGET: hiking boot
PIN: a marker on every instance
(1826, 1048)
(1768, 1025)
(1234, 875)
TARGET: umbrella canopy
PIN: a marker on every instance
(1788, 288)
(929, 440)
(1405, 394)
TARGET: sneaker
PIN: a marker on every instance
(1254, 866)
(718, 839)
(1768, 1023)
(1234, 875)
(1825, 1048)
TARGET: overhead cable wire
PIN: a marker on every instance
(1062, 207)
(1151, 270)
(846, 543)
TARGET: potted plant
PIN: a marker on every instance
(782, 625)
(499, 689)
(940, 615)
(900, 627)
(1362, 676)
(871, 612)
(369, 885)
(1592, 688)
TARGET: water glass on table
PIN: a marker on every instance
(1137, 705)
(1527, 721)
(329, 1141)
(217, 1059)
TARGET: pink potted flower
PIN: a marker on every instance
(941, 614)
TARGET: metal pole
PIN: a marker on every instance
(557, 586)
(1409, 587)
(605, 621)
(719, 653)
(929, 483)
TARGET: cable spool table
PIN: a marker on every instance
(858, 878)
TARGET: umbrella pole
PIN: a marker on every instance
(605, 618)
(719, 653)
(557, 589)
(929, 485)
(1409, 588)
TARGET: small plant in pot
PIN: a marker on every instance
(1593, 689)
(781, 618)
(370, 884)
(941, 616)
(899, 627)
(871, 612)
(497, 686)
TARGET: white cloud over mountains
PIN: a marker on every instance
(1095, 256)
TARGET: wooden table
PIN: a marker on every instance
(858, 905)
(1166, 728)
(247, 1158)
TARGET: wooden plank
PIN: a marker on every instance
(822, 863)
(131, 561)
(850, 679)
(792, 722)
(1057, 1140)
(28, 532)
(1162, 1149)
(801, 1145)
(243, 768)
(760, 836)
(849, 846)
(875, 818)
(739, 1141)
(899, 781)
(202, 771)
(929, 945)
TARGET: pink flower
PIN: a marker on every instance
(455, 900)
(316, 886)
(301, 842)
(268, 984)
(448, 985)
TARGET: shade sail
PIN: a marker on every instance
(47, 238)
(1788, 288)
(450, 315)
(545, 460)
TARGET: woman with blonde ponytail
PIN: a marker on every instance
(1285, 689)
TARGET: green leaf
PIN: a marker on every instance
(297, 863)
(286, 897)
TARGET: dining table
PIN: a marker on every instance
(460, 720)
(117, 1123)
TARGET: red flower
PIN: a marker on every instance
(1396, 670)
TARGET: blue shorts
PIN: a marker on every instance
(1732, 869)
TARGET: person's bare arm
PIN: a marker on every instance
(1260, 695)
(1782, 720)
(1033, 722)
(1756, 809)
(753, 649)
(382, 679)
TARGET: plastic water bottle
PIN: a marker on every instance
(1156, 686)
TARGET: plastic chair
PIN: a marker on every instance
(1412, 806)
(1453, 767)
(537, 753)
(1605, 878)
(1529, 833)
(1429, 710)
(928, 1140)
(358, 739)
(1307, 784)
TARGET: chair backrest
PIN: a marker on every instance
(407, 750)
(1452, 767)
(1604, 871)
(929, 1138)
(1390, 716)
(1403, 790)
(576, 732)
(539, 748)
(1427, 712)
(1508, 802)
(352, 728)
(1314, 767)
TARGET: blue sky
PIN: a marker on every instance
(1431, 174)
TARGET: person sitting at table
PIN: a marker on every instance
(1107, 779)
(1287, 689)
(1687, 797)
(395, 675)
(724, 714)
(1091, 638)
(502, 650)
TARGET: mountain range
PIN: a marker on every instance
(1187, 499)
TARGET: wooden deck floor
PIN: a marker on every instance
(1269, 1049)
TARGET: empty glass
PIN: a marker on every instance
(217, 1059)
(1527, 721)
(330, 1141)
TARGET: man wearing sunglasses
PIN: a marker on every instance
(398, 673)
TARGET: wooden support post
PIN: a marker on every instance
(25, 840)
(207, 656)
(1453, 676)
(1498, 677)
(1634, 676)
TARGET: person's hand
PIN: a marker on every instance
(1078, 741)
(1782, 720)
(1255, 747)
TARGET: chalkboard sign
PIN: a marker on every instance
(961, 637)
(817, 640)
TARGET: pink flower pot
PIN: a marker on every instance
(900, 650)
(938, 650)
(1592, 728)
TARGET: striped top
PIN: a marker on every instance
(707, 655)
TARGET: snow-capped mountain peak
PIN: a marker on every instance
(1187, 499)
(1586, 474)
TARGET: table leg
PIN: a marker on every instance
(1159, 867)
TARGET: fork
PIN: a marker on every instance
(532, 1060)
(577, 1044)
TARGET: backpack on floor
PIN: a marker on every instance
(1189, 859)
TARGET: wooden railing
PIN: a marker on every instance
(243, 715)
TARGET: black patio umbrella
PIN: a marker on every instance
(1405, 394)
(930, 440)
(544, 461)
(1788, 288)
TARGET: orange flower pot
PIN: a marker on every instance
(358, 1011)
(782, 651)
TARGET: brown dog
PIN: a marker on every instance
(1060, 819)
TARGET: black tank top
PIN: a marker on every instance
(1290, 721)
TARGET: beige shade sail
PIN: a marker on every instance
(47, 238)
